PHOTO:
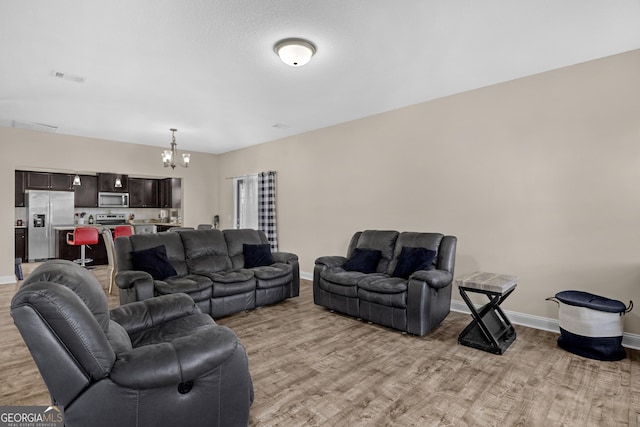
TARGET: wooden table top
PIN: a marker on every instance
(491, 282)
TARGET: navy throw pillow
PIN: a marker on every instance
(257, 255)
(154, 261)
(363, 260)
(412, 260)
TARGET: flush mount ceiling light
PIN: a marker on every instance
(295, 52)
(169, 156)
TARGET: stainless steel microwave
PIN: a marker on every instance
(113, 200)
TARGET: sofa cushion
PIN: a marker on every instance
(413, 259)
(338, 289)
(233, 276)
(171, 242)
(397, 300)
(417, 240)
(276, 282)
(342, 277)
(205, 251)
(171, 329)
(233, 283)
(198, 243)
(237, 238)
(363, 260)
(189, 284)
(154, 261)
(383, 284)
(273, 271)
(257, 255)
(382, 240)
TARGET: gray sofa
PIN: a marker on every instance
(208, 265)
(405, 284)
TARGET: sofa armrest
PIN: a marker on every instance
(331, 261)
(291, 259)
(127, 279)
(140, 315)
(284, 257)
(139, 281)
(436, 279)
(428, 300)
(176, 361)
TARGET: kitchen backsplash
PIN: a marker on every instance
(143, 214)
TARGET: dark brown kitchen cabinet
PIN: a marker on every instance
(86, 194)
(38, 180)
(171, 193)
(61, 182)
(21, 243)
(49, 181)
(20, 186)
(143, 193)
(136, 192)
(107, 182)
(96, 252)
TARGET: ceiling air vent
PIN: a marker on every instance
(67, 76)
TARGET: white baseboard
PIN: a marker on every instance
(523, 319)
(543, 323)
(7, 280)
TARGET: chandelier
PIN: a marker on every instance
(169, 156)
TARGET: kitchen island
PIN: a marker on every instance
(65, 251)
(99, 252)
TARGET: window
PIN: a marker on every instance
(245, 195)
(254, 200)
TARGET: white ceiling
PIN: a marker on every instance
(207, 67)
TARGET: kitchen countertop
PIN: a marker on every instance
(170, 224)
(74, 226)
(164, 224)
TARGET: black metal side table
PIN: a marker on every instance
(490, 329)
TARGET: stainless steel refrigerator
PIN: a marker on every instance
(45, 211)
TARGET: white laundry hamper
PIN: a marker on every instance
(590, 325)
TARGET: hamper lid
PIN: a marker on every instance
(595, 302)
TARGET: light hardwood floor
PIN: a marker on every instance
(313, 367)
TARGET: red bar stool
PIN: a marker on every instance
(122, 230)
(83, 236)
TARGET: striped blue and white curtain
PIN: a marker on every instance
(267, 207)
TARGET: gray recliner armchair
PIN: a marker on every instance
(157, 362)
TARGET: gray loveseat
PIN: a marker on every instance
(399, 280)
(208, 265)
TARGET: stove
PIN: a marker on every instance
(111, 219)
